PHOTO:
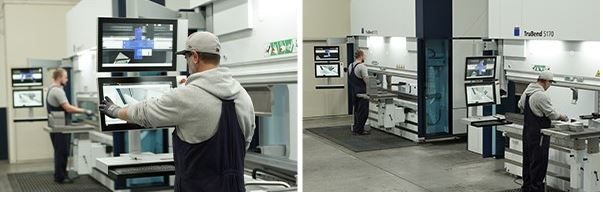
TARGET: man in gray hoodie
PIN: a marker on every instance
(538, 113)
(213, 115)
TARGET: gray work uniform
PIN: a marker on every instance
(540, 102)
(195, 109)
(361, 71)
(56, 96)
(61, 143)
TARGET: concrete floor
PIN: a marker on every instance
(34, 166)
(429, 167)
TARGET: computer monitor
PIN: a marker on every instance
(477, 94)
(480, 68)
(28, 98)
(130, 44)
(326, 53)
(326, 70)
(24, 77)
(126, 91)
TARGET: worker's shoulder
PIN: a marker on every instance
(186, 91)
(52, 91)
(539, 96)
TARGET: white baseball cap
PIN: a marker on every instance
(204, 42)
(547, 75)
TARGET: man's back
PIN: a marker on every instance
(196, 108)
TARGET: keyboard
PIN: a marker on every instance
(488, 123)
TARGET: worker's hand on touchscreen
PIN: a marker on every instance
(89, 113)
(564, 118)
(109, 108)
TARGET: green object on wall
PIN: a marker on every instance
(281, 47)
(538, 67)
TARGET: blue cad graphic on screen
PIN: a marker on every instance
(481, 67)
(138, 44)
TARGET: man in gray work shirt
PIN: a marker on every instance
(213, 115)
(357, 80)
(56, 101)
(538, 113)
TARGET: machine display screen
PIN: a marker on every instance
(326, 70)
(326, 53)
(480, 94)
(23, 77)
(28, 98)
(128, 91)
(480, 68)
(136, 44)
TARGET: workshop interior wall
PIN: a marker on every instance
(324, 102)
(577, 58)
(27, 140)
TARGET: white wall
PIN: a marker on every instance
(326, 19)
(293, 107)
(470, 18)
(32, 30)
(82, 24)
(323, 102)
(232, 16)
(243, 51)
(563, 57)
(4, 83)
(323, 20)
(391, 52)
(387, 17)
(571, 20)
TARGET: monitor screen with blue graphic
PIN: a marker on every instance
(127, 44)
(480, 68)
(326, 53)
(25, 77)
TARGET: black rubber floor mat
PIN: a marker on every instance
(377, 140)
(548, 189)
(44, 182)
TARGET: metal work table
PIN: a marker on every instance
(76, 128)
(393, 72)
(573, 157)
(382, 95)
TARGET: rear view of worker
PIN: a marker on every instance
(214, 120)
(56, 101)
(358, 78)
(538, 113)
